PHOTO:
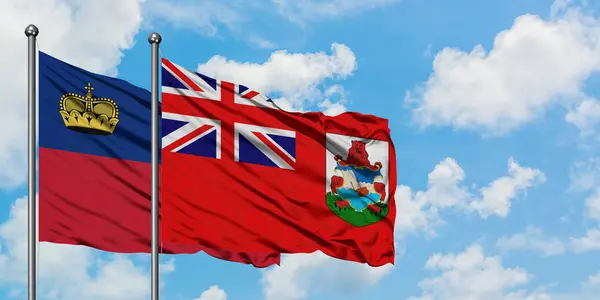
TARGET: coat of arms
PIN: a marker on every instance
(357, 186)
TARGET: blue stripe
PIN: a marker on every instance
(131, 137)
(287, 143)
(171, 81)
(205, 146)
(210, 81)
(250, 154)
(168, 126)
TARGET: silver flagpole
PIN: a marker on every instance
(154, 39)
(31, 32)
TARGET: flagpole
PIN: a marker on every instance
(154, 39)
(31, 32)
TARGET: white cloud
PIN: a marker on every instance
(213, 293)
(241, 17)
(589, 290)
(471, 275)
(332, 108)
(65, 271)
(589, 242)
(585, 175)
(594, 280)
(446, 190)
(497, 196)
(592, 204)
(532, 239)
(532, 66)
(90, 34)
(210, 18)
(311, 10)
(167, 267)
(559, 6)
(297, 77)
(301, 273)
(420, 210)
(417, 213)
(203, 16)
(334, 103)
(586, 116)
(444, 185)
(263, 43)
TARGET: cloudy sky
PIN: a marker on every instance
(493, 107)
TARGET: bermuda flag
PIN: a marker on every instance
(240, 174)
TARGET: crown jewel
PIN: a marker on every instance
(88, 114)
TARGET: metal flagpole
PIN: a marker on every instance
(31, 32)
(154, 39)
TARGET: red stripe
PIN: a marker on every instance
(227, 92)
(250, 95)
(181, 76)
(227, 114)
(115, 218)
(267, 142)
(188, 137)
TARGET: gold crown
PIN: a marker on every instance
(88, 114)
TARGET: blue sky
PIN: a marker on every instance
(493, 110)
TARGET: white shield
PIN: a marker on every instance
(378, 151)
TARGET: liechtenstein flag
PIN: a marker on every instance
(94, 164)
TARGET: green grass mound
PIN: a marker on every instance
(348, 214)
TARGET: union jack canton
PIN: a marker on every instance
(189, 134)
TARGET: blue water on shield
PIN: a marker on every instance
(357, 202)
